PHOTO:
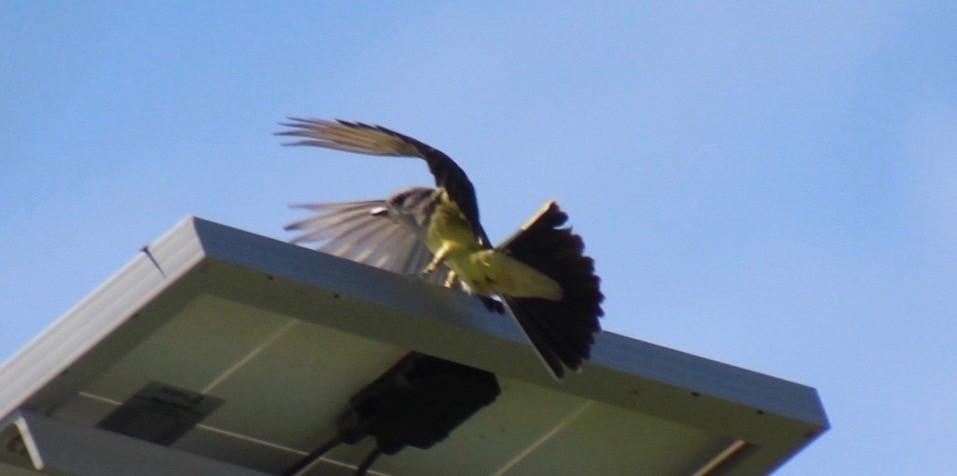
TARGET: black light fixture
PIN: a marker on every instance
(417, 402)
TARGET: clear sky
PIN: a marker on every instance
(774, 187)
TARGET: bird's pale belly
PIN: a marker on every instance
(483, 270)
(489, 272)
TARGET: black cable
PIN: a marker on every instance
(367, 463)
(311, 458)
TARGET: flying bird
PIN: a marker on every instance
(540, 273)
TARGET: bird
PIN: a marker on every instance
(540, 273)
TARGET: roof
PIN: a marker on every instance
(275, 338)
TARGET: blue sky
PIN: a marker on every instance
(771, 186)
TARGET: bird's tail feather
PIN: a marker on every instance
(561, 331)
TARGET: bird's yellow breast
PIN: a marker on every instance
(448, 228)
(484, 271)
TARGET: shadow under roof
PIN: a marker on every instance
(279, 337)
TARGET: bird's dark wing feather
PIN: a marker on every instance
(377, 140)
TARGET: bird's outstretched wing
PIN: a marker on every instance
(380, 233)
(377, 140)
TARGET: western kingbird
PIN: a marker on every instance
(540, 272)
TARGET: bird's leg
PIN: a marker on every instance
(451, 279)
(436, 261)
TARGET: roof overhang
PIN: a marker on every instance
(283, 335)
